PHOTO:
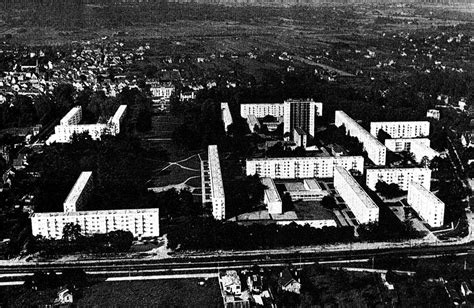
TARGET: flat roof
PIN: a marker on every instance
(78, 187)
(98, 213)
(425, 192)
(387, 169)
(361, 130)
(363, 196)
(271, 191)
(303, 158)
(217, 187)
(119, 113)
(400, 122)
(70, 114)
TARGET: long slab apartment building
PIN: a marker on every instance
(212, 184)
(140, 222)
(426, 204)
(402, 129)
(302, 167)
(400, 176)
(364, 208)
(70, 125)
(419, 147)
(295, 113)
(376, 151)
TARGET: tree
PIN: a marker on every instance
(71, 232)
(120, 240)
(329, 203)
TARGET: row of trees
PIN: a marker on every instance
(204, 234)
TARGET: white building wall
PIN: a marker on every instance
(272, 197)
(226, 115)
(404, 144)
(409, 129)
(262, 110)
(79, 193)
(141, 222)
(217, 186)
(364, 208)
(302, 167)
(74, 116)
(376, 151)
(420, 150)
(426, 204)
(401, 176)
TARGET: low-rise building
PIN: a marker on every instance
(400, 176)
(271, 197)
(364, 208)
(401, 129)
(426, 204)
(376, 151)
(300, 137)
(433, 114)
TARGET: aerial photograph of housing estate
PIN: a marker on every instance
(237, 153)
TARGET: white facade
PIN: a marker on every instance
(433, 114)
(217, 186)
(141, 222)
(426, 204)
(253, 122)
(302, 167)
(421, 151)
(74, 116)
(300, 138)
(262, 110)
(364, 208)
(161, 90)
(401, 176)
(69, 126)
(404, 144)
(376, 151)
(306, 190)
(226, 115)
(401, 129)
(79, 193)
(271, 197)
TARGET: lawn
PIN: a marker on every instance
(159, 293)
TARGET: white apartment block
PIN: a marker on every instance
(426, 204)
(161, 89)
(140, 222)
(226, 115)
(376, 151)
(421, 151)
(302, 167)
(74, 116)
(404, 144)
(262, 110)
(271, 197)
(79, 193)
(402, 129)
(69, 125)
(253, 122)
(433, 114)
(364, 208)
(400, 176)
(217, 186)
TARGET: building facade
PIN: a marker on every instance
(300, 138)
(364, 208)
(426, 204)
(402, 129)
(69, 125)
(271, 197)
(400, 176)
(376, 151)
(226, 115)
(301, 114)
(80, 193)
(140, 222)
(217, 186)
(262, 110)
(302, 167)
(404, 144)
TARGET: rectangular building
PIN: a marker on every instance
(400, 176)
(271, 197)
(262, 110)
(402, 129)
(79, 193)
(404, 144)
(226, 115)
(302, 167)
(364, 208)
(117, 119)
(300, 138)
(305, 190)
(141, 222)
(217, 186)
(74, 116)
(376, 151)
(302, 114)
(426, 204)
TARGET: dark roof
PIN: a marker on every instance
(286, 278)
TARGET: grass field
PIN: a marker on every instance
(158, 293)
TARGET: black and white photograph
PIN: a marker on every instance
(237, 153)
